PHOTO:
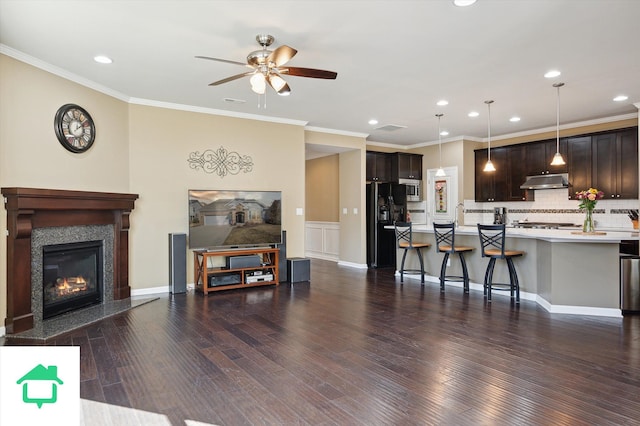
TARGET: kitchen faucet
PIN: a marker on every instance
(455, 220)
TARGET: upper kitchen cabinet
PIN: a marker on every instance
(378, 166)
(406, 166)
(492, 186)
(540, 154)
(615, 163)
(517, 155)
(579, 164)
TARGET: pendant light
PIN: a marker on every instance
(489, 166)
(557, 158)
(440, 172)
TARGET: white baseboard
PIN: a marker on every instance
(579, 310)
(322, 256)
(554, 309)
(353, 265)
(150, 290)
(158, 290)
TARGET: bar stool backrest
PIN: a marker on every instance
(445, 234)
(404, 234)
(492, 237)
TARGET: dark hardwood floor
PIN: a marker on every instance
(357, 347)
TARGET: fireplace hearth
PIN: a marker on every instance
(72, 277)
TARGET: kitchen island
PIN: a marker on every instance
(562, 270)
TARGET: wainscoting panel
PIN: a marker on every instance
(322, 240)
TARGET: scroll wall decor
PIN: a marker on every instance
(220, 161)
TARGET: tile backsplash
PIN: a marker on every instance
(552, 205)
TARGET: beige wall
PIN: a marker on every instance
(352, 201)
(161, 141)
(142, 150)
(352, 193)
(322, 191)
(30, 154)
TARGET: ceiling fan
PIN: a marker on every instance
(267, 67)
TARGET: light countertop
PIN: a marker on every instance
(550, 235)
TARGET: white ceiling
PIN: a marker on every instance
(394, 59)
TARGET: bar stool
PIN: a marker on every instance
(492, 239)
(404, 239)
(445, 243)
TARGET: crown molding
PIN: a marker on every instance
(213, 111)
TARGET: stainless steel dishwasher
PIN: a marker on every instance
(629, 277)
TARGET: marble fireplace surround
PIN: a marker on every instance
(55, 213)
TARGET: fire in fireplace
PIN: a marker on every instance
(72, 276)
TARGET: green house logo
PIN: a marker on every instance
(40, 385)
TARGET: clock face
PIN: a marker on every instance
(74, 128)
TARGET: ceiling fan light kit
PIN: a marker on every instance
(267, 67)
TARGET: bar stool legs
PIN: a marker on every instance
(404, 256)
(445, 243)
(492, 239)
(404, 238)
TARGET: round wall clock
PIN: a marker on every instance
(74, 128)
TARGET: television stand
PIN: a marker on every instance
(208, 279)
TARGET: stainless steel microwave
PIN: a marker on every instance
(413, 189)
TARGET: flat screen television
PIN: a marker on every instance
(226, 219)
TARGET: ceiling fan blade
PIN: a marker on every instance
(281, 55)
(224, 60)
(279, 85)
(309, 72)
(233, 77)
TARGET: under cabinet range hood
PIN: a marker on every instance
(560, 180)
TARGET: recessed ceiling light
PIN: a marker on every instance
(463, 3)
(473, 114)
(620, 98)
(444, 133)
(514, 119)
(552, 74)
(101, 59)
(442, 102)
(373, 121)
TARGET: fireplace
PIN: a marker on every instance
(72, 277)
(41, 217)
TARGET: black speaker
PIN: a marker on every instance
(299, 269)
(178, 263)
(282, 266)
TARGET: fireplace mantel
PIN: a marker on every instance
(30, 208)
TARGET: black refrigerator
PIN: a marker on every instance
(386, 204)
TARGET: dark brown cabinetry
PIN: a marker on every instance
(491, 186)
(406, 166)
(389, 167)
(378, 167)
(539, 156)
(517, 157)
(615, 164)
(579, 164)
(607, 161)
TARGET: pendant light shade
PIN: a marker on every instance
(557, 158)
(489, 167)
(440, 172)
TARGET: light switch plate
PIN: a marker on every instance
(299, 211)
